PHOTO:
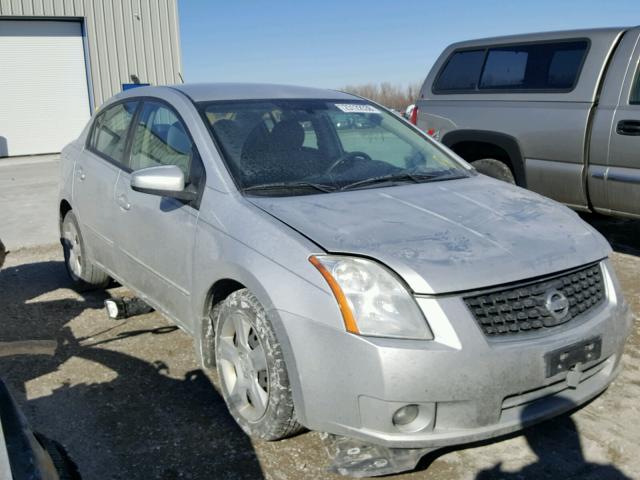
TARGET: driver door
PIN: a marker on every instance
(157, 233)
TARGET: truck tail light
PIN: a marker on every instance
(413, 118)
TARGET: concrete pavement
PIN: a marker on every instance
(28, 201)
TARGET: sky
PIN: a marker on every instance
(331, 43)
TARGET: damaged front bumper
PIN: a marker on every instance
(466, 387)
(354, 458)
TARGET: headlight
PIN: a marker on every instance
(372, 300)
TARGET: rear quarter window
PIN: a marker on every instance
(461, 71)
(531, 67)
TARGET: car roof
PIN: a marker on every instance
(207, 92)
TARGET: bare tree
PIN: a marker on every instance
(391, 96)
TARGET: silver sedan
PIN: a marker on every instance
(360, 280)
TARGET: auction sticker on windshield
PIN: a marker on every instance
(357, 108)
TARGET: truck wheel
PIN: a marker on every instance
(253, 377)
(83, 273)
(495, 168)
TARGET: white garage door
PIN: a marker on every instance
(44, 101)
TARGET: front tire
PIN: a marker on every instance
(83, 273)
(495, 168)
(253, 376)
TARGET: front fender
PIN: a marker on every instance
(272, 261)
(271, 290)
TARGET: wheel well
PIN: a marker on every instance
(65, 207)
(473, 150)
(206, 344)
(221, 290)
(477, 144)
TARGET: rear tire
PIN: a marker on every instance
(83, 273)
(495, 168)
(253, 376)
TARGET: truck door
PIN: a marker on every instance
(622, 177)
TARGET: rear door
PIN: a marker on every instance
(622, 179)
(156, 234)
(95, 175)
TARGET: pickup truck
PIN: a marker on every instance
(557, 113)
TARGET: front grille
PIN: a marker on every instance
(538, 305)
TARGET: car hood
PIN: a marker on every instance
(447, 236)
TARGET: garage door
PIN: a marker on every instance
(44, 102)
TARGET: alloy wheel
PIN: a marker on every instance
(74, 248)
(243, 366)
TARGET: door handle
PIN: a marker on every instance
(81, 174)
(123, 201)
(628, 127)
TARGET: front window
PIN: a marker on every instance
(288, 147)
(160, 138)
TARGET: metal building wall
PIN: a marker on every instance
(123, 38)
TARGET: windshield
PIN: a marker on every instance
(292, 147)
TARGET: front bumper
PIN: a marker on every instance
(468, 387)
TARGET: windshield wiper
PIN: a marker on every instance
(392, 177)
(290, 186)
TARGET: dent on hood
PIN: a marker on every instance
(449, 236)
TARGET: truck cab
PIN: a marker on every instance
(558, 113)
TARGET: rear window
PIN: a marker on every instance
(526, 67)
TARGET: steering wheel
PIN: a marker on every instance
(350, 156)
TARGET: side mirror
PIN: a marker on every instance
(164, 181)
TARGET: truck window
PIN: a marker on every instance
(461, 71)
(534, 67)
(634, 99)
(545, 66)
(504, 69)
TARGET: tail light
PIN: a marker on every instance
(413, 118)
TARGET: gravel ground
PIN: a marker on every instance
(129, 400)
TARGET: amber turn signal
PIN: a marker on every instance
(345, 309)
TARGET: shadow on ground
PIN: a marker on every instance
(556, 444)
(622, 233)
(558, 449)
(137, 419)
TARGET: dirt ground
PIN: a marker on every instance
(129, 401)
